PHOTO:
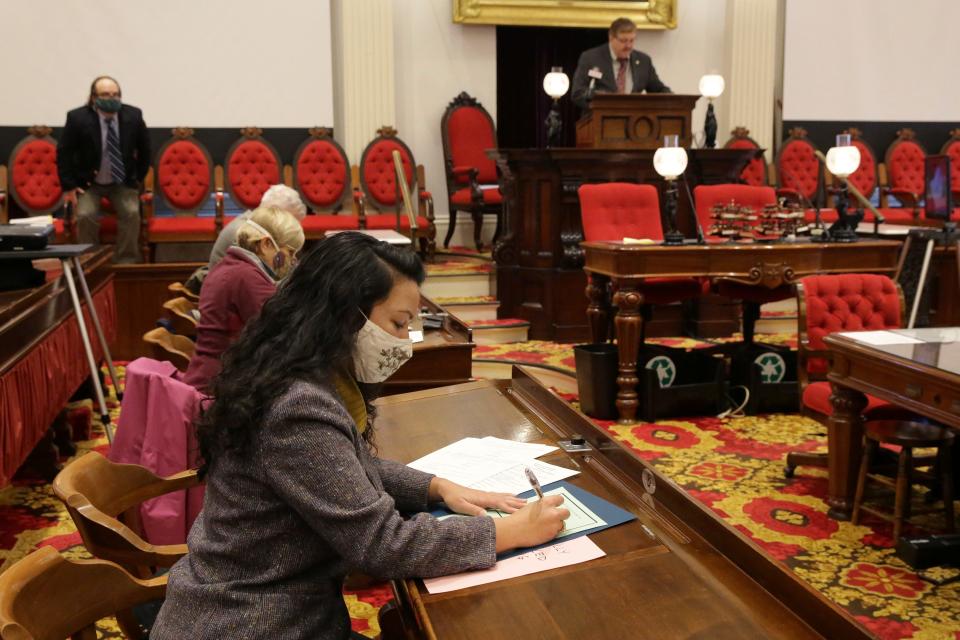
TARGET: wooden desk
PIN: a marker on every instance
(762, 265)
(42, 358)
(924, 378)
(538, 255)
(444, 357)
(699, 578)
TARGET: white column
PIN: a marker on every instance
(363, 71)
(754, 30)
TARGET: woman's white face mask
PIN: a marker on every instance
(378, 354)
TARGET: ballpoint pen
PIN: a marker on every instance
(534, 482)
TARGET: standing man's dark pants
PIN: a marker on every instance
(126, 205)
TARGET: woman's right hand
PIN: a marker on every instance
(536, 523)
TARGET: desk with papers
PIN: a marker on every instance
(675, 571)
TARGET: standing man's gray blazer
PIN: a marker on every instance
(641, 67)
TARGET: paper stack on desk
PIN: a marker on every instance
(492, 464)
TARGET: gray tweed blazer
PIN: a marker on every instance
(284, 522)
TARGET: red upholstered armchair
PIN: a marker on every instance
(799, 173)
(321, 173)
(33, 181)
(184, 179)
(706, 197)
(468, 131)
(866, 179)
(379, 191)
(756, 172)
(252, 166)
(618, 210)
(952, 148)
(828, 304)
(904, 170)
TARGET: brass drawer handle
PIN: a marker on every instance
(913, 391)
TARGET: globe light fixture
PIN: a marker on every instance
(555, 84)
(670, 161)
(843, 160)
(711, 86)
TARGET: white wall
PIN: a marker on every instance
(880, 60)
(436, 59)
(215, 63)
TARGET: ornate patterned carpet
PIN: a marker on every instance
(732, 465)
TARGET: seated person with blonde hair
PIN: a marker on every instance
(267, 243)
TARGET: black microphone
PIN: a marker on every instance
(693, 208)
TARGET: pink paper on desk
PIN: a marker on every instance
(561, 554)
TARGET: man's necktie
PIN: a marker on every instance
(622, 75)
(113, 151)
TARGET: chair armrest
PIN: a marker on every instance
(906, 198)
(464, 174)
(218, 210)
(426, 204)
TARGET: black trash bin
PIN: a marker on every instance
(597, 378)
(770, 374)
(676, 382)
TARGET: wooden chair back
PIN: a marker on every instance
(170, 347)
(756, 173)
(952, 148)
(866, 177)
(798, 169)
(321, 172)
(904, 169)
(178, 289)
(103, 499)
(184, 315)
(44, 596)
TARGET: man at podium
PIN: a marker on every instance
(615, 67)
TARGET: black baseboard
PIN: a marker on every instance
(878, 134)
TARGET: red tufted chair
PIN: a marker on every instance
(468, 131)
(904, 170)
(618, 210)
(866, 179)
(379, 192)
(33, 181)
(799, 173)
(184, 179)
(321, 173)
(832, 303)
(756, 172)
(251, 167)
(706, 197)
(951, 148)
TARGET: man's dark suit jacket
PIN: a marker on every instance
(644, 75)
(80, 146)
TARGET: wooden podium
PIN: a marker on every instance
(635, 120)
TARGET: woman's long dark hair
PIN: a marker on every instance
(306, 330)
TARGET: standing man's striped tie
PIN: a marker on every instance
(113, 150)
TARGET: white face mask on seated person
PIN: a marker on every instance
(378, 354)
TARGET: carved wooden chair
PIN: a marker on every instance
(178, 289)
(468, 132)
(252, 166)
(867, 180)
(379, 191)
(828, 304)
(756, 173)
(170, 347)
(951, 148)
(184, 179)
(322, 176)
(33, 181)
(183, 315)
(45, 596)
(903, 165)
(799, 173)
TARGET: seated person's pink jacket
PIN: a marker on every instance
(232, 294)
(156, 430)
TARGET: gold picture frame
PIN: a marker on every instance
(652, 14)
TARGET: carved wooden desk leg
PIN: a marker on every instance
(628, 325)
(845, 444)
(598, 311)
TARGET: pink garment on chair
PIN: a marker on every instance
(156, 431)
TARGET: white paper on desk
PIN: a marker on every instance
(880, 337)
(416, 336)
(562, 554)
(513, 480)
(637, 241)
(515, 450)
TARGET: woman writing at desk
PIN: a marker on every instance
(295, 497)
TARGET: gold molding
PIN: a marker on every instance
(653, 14)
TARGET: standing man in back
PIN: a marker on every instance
(104, 152)
(615, 67)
